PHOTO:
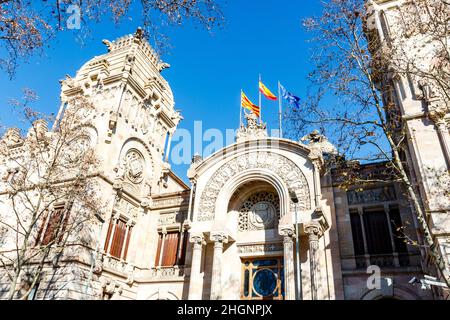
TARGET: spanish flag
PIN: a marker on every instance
(247, 104)
(266, 92)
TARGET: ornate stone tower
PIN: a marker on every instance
(130, 127)
(410, 39)
(133, 105)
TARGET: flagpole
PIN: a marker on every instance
(260, 101)
(240, 112)
(279, 109)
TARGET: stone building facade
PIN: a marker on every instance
(410, 37)
(262, 219)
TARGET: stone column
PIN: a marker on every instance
(287, 232)
(314, 232)
(195, 287)
(216, 279)
(169, 143)
(445, 139)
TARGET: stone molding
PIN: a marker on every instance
(289, 172)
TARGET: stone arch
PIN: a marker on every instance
(138, 144)
(263, 175)
(90, 131)
(163, 295)
(257, 206)
(276, 169)
(396, 292)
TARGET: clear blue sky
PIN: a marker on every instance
(207, 70)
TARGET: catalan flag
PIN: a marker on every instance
(247, 104)
(266, 92)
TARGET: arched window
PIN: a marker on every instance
(385, 28)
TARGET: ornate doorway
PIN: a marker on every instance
(262, 279)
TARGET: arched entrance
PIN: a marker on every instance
(255, 207)
(243, 211)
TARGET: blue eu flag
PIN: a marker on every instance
(290, 98)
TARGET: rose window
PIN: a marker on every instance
(260, 211)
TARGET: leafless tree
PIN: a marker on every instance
(26, 27)
(349, 100)
(47, 193)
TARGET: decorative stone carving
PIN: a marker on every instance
(253, 130)
(260, 211)
(134, 166)
(165, 273)
(289, 172)
(12, 137)
(314, 232)
(287, 232)
(78, 149)
(111, 287)
(146, 120)
(197, 239)
(169, 202)
(218, 237)
(320, 143)
(261, 248)
(130, 274)
(437, 110)
(171, 218)
(126, 208)
(371, 195)
(426, 91)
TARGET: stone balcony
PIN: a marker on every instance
(133, 273)
(403, 262)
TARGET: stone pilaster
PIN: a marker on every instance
(287, 232)
(314, 232)
(216, 279)
(195, 288)
(444, 136)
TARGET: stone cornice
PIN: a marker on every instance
(269, 144)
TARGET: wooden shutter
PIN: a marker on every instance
(158, 250)
(108, 235)
(170, 249)
(65, 220)
(41, 229)
(118, 239)
(182, 250)
(130, 228)
(54, 225)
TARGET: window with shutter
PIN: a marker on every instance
(118, 239)
(54, 225)
(171, 249)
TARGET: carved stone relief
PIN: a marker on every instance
(260, 211)
(289, 172)
(371, 195)
(77, 149)
(171, 218)
(260, 248)
(127, 209)
(134, 166)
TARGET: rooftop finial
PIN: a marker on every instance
(139, 34)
